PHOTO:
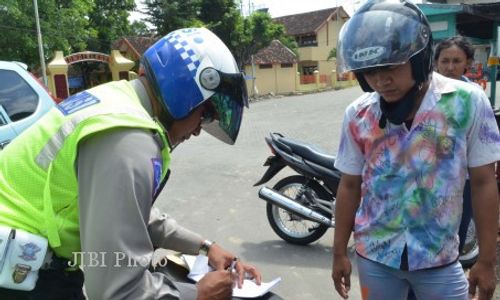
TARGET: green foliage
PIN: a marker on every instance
(168, 15)
(258, 30)
(63, 25)
(139, 28)
(109, 20)
(332, 54)
(243, 36)
(67, 25)
(223, 18)
(78, 25)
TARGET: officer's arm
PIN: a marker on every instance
(116, 178)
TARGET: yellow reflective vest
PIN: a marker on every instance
(38, 180)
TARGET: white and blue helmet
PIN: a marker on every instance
(190, 66)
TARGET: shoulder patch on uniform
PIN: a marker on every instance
(157, 169)
(77, 102)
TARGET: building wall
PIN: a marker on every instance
(285, 79)
(128, 53)
(443, 26)
(470, 1)
(327, 38)
(276, 80)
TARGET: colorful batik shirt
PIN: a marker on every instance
(412, 180)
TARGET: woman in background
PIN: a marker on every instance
(453, 57)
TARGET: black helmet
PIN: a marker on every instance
(385, 33)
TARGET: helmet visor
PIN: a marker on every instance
(379, 38)
(228, 100)
(226, 124)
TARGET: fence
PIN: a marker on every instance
(307, 79)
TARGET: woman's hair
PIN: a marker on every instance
(458, 41)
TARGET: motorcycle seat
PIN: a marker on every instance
(309, 152)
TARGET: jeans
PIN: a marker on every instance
(380, 282)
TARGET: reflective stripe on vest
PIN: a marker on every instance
(55, 144)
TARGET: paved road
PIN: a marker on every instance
(210, 191)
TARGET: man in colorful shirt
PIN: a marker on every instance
(405, 151)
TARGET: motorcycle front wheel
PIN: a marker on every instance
(291, 227)
(470, 251)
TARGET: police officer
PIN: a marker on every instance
(85, 177)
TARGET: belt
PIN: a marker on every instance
(54, 262)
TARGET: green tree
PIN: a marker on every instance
(63, 24)
(332, 54)
(168, 15)
(224, 19)
(140, 28)
(76, 25)
(243, 36)
(256, 32)
(67, 25)
(109, 20)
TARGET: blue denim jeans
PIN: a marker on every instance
(380, 282)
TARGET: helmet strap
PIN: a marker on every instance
(397, 112)
(158, 112)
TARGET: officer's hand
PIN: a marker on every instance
(243, 271)
(216, 285)
(219, 258)
(482, 280)
(341, 274)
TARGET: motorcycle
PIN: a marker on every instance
(470, 251)
(301, 208)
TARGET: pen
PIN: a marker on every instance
(233, 264)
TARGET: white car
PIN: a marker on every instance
(23, 100)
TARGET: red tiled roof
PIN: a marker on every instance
(138, 44)
(141, 43)
(306, 23)
(275, 53)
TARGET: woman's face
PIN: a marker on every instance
(452, 62)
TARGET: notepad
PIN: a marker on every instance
(198, 267)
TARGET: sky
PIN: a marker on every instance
(278, 8)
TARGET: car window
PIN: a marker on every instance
(18, 99)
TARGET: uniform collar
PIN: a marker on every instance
(143, 96)
(146, 102)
